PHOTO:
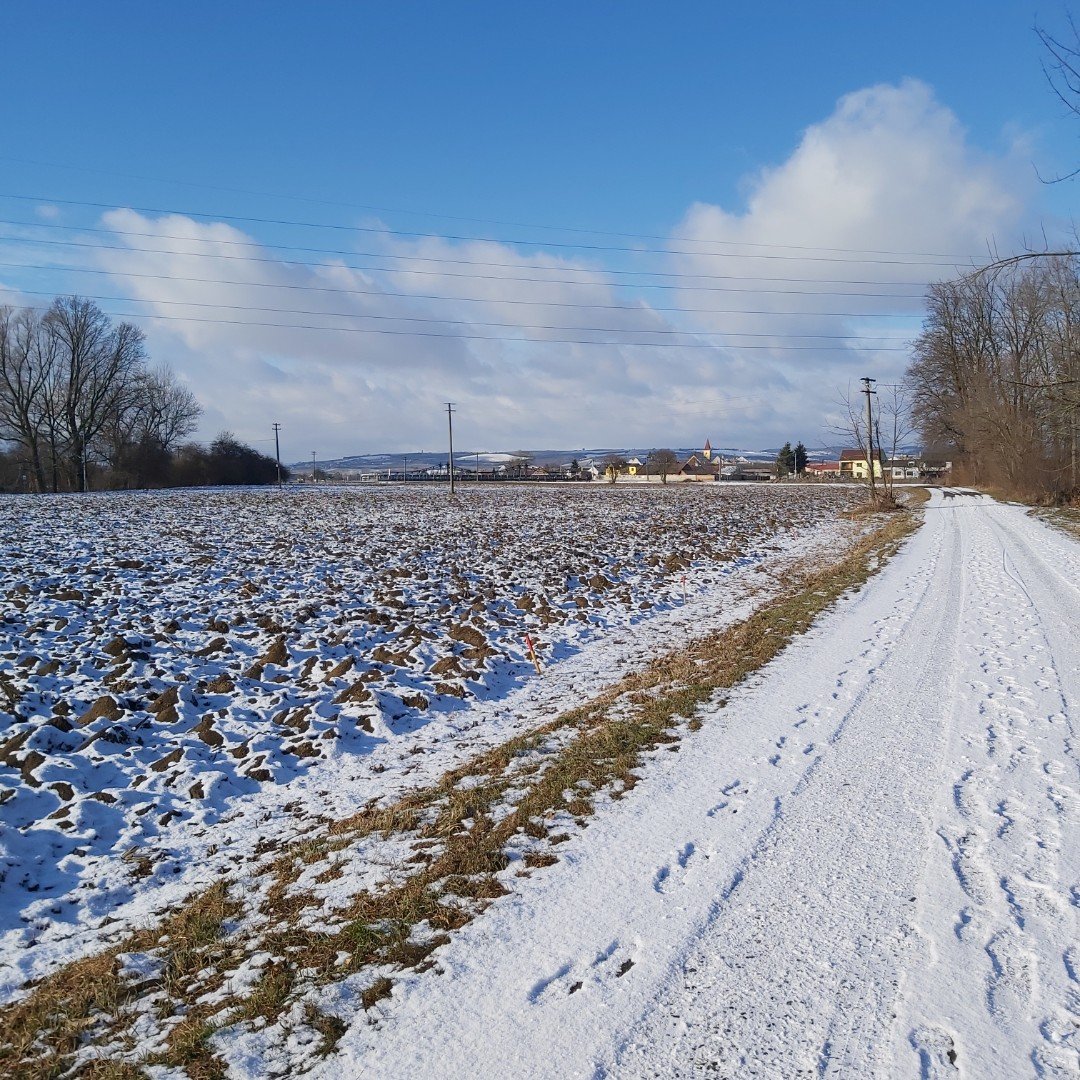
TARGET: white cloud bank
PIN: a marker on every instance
(890, 170)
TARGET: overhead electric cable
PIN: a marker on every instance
(404, 295)
(380, 255)
(461, 322)
(494, 300)
(425, 213)
(461, 238)
(485, 277)
(467, 337)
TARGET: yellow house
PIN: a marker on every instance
(853, 463)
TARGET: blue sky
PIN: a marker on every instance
(803, 127)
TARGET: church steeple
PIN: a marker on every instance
(707, 452)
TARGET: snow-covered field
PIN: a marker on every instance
(187, 677)
(863, 861)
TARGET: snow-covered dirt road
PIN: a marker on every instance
(865, 864)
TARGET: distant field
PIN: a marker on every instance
(163, 654)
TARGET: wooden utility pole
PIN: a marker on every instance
(870, 433)
(277, 451)
(313, 466)
(450, 427)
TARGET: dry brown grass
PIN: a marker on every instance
(86, 1000)
(1066, 518)
(591, 749)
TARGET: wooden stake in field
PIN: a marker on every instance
(532, 654)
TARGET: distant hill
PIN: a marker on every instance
(468, 459)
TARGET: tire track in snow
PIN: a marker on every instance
(1012, 905)
(841, 855)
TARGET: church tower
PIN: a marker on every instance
(707, 452)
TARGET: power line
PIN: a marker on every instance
(313, 288)
(392, 293)
(595, 272)
(392, 257)
(392, 210)
(436, 273)
(337, 227)
(457, 322)
(471, 337)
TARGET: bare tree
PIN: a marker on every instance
(665, 462)
(995, 373)
(614, 466)
(1061, 66)
(893, 427)
(519, 464)
(99, 365)
(75, 388)
(147, 426)
(25, 374)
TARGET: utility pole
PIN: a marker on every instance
(478, 467)
(870, 432)
(313, 466)
(277, 451)
(405, 468)
(450, 427)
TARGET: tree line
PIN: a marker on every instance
(996, 375)
(81, 406)
(995, 381)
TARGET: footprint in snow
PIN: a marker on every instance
(734, 794)
(963, 921)
(1071, 959)
(1012, 980)
(969, 864)
(662, 880)
(613, 961)
(937, 1052)
(540, 987)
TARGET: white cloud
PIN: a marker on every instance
(890, 170)
(347, 391)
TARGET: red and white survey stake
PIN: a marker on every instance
(532, 654)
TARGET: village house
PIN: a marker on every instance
(905, 468)
(699, 467)
(854, 464)
(822, 468)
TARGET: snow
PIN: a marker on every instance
(108, 821)
(866, 864)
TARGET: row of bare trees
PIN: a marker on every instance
(78, 397)
(996, 374)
